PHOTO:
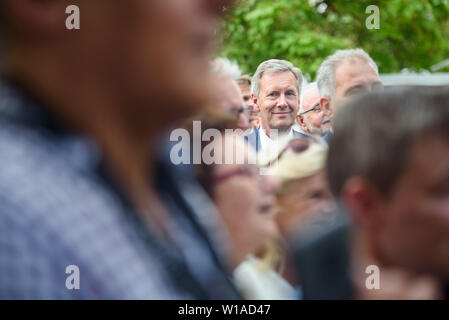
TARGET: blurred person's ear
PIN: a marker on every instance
(364, 203)
(300, 120)
(325, 105)
(255, 102)
(36, 19)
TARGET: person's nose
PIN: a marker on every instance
(282, 102)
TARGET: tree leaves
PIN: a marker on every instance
(413, 34)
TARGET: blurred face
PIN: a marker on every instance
(278, 100)
(255, 122)
(155, 53)
(229, 98)
(305, 203)
(413, 226)
(245, 89)
(246, 203)
(314, 121)
(352, 77)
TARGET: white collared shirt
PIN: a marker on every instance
(267, 144)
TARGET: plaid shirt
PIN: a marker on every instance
(57, 209)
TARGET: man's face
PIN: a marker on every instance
(245, 89)
(246, 94)
(414, 227)
(278, 100)
(352, 76)
(156, 53)
(314, 121)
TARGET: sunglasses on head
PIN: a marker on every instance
(297, 145)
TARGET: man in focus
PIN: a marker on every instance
(276, 88)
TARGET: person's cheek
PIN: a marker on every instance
(267, 111)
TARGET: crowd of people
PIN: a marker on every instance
(306, 187)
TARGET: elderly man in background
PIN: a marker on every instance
(89, 209)
(345, 74)
(276, 88)
(228, 94)
(311, 117)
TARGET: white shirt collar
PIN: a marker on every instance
(267, 143)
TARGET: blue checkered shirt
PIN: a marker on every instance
(57, 210)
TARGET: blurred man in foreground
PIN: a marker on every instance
(388, 162)
(80, 113)
(311, 117)
(228, 94)
(393, 177)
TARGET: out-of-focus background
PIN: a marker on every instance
(413, 35)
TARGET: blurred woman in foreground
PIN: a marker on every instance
(244, 199)
(304, 204)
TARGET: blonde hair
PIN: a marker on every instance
(291, 165)
(285, 164)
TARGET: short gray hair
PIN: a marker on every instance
(305, 89)
(224, 67)
(374, 134)
(274, 66)
(326, 73)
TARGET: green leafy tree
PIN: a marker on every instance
(413, 34)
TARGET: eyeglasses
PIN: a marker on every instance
(245, 171)
(316, 109)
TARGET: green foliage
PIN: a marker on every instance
(413, 34)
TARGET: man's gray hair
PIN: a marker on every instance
(326, 73)
(275, 66)
(224, 67)
(374, 134)
(305, 89)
